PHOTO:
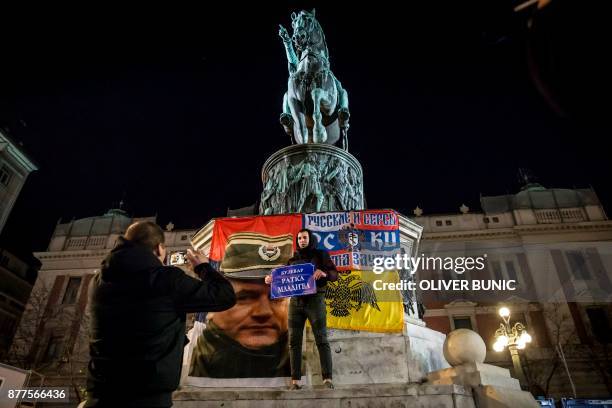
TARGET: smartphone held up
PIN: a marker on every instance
(178, 258)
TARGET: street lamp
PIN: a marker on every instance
(515, 338)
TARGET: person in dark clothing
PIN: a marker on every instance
(311, 307)
(138, 309)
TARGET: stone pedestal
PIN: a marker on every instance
(492, 386)
(361, 357)
(475, 374)
(319, 177)
(373, 396)
(307, 178)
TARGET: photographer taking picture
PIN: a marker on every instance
(138, 308)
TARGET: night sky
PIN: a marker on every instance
(175, 110)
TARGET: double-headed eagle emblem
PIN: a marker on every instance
(349, 293)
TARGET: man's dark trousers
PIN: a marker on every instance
(311, 307)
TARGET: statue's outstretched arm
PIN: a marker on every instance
(291, 56)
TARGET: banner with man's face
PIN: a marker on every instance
(247, 345)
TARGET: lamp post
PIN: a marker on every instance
(515, 338)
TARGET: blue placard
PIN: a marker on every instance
(293, 280)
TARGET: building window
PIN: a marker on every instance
(600, 325)
(5, 175)
(578, 265)
(463, 322)
(446, 274)
(486, 220)
(495, 219)
(183, 237)
(497, 270)
(449, 222)
(71, 290)
(511, 271)
(52, 352)
(504, 270)
(438, 223)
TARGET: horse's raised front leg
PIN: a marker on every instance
(300, 132)
(319, 135)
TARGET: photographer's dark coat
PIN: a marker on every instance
(138, 311)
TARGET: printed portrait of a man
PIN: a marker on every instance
(250, 339)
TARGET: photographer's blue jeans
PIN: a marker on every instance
(311, 307)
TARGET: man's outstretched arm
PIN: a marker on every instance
(213, 293)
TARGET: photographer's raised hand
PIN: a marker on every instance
(196, 258)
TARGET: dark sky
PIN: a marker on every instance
(176, 109)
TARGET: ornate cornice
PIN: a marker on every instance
(61, 255)
(16, 153)
(517, 231)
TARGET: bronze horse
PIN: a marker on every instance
(315, 106)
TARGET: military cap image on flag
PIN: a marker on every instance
(251, 255)
(270, 225)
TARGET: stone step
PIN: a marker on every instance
(372, 395)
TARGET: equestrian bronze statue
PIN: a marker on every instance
(315, 106)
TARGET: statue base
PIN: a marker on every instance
(361, 357)
(380, 395)
(311, 177)
(468, 385)
(493, 387)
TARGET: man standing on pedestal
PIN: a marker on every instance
(311, 307)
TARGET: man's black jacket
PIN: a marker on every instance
(137, 333)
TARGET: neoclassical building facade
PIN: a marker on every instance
(556, 243)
